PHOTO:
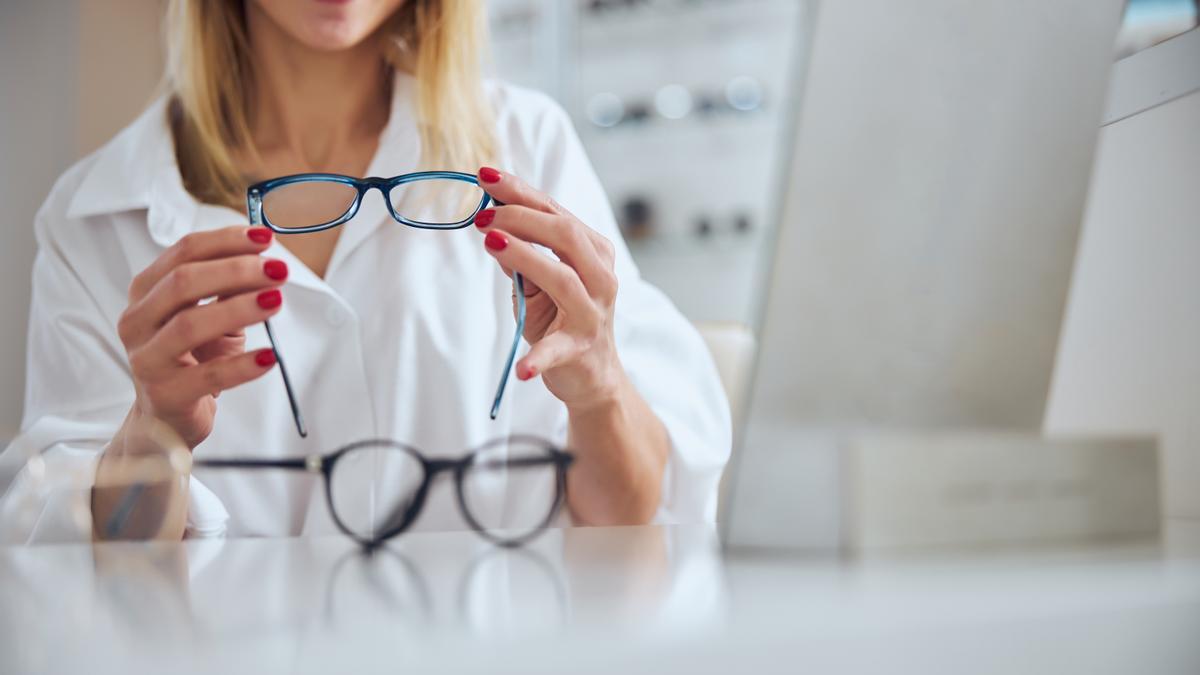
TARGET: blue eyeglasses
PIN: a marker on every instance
(431, 200)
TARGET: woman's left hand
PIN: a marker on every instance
(569, 301)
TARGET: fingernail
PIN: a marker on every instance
(265, 358)
(495, 240)
(270, 299)
(485, 217)
(259, 235)
(526, 373)
(275, 269)
(489, 175)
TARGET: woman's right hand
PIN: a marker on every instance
(182, 353)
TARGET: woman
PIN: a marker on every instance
(388, 331)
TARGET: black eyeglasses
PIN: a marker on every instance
(431, 200)
(509, 489)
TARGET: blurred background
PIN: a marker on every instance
(662, 92)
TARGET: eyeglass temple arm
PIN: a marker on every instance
(287, 383)
(519, 285)
(300, 463)
(563, 459)
(254, 211)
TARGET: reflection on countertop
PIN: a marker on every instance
(602, 600)
(272, 601)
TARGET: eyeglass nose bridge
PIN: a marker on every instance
(381, 184)
(363, 186)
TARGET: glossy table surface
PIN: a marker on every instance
(648, 599)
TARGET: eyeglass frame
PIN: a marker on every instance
(431, 468)
(257, 192)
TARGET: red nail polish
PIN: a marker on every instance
(270, 299)
(259, 235)
(489, 175)
(495, 240)
(265, 358)
(527, 373)
(275, 269)
(485, 217)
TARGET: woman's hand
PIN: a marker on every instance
(621, 446)
(569, 301)
(183, 353)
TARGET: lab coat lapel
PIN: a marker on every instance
(398, 153)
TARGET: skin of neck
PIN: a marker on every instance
(308, 103)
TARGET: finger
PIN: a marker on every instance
(552, 276)
(551, 351)
(217, 376)
(192, 282)
(230, 344)
(191, 328)
(564, 235)
(509, 189)
(222, 243)
(226, 345)
(531, 289)
(225, 296)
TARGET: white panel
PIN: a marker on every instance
(38, 96)
(927, 238)
(962, 488)
(1153, 76)
(1129, 359)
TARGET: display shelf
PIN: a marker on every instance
(713, 279)
(650, 86)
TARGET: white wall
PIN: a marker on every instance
(71, 74)
(940, 172)
(38, 96)
(927, 237)
(120, 65)
(1129, 359)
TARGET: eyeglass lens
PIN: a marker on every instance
(510, 490)
(372, 488)
(436, 202)
(308, 204)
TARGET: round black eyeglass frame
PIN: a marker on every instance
(560, 459)
(254, 209)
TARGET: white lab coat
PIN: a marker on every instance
(404, 338)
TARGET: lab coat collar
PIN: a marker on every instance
(137, 169)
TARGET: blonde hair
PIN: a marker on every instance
(210, 73)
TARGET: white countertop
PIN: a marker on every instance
(652, 599)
